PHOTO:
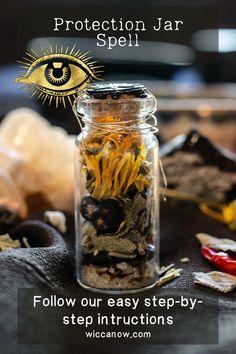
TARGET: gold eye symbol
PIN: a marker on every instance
(57, 74)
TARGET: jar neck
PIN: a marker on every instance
(114, 123)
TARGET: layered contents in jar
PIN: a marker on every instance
(116, 227)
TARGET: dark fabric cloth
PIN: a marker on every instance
(50, 263)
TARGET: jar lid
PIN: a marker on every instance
(115, 90)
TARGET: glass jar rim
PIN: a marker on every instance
(121, 97)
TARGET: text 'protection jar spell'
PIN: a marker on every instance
(117, 189)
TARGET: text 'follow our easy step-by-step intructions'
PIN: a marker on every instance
(80, 317)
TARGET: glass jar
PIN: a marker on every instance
(116, 189)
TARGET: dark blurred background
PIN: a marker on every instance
(193, 75)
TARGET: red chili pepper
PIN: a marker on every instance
(220, 259)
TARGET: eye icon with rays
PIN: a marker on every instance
(57, 74)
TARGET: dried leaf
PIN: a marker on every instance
(125, 268)
(7, 243)
(110, 244)
(164, 269)
(122, 255)
(221, 244)
(169, 276)
(220, 281)
(25, 242)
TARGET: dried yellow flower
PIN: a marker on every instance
(114, 165)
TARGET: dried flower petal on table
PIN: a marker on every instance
(56, 219)
(7, 243)
(169, 276)
(164, 269)
(220, 281)
(229, 215)
(221, 244)
(25, 242)
(225, 213)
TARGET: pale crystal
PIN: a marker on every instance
(11, 192)
(48, 151)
